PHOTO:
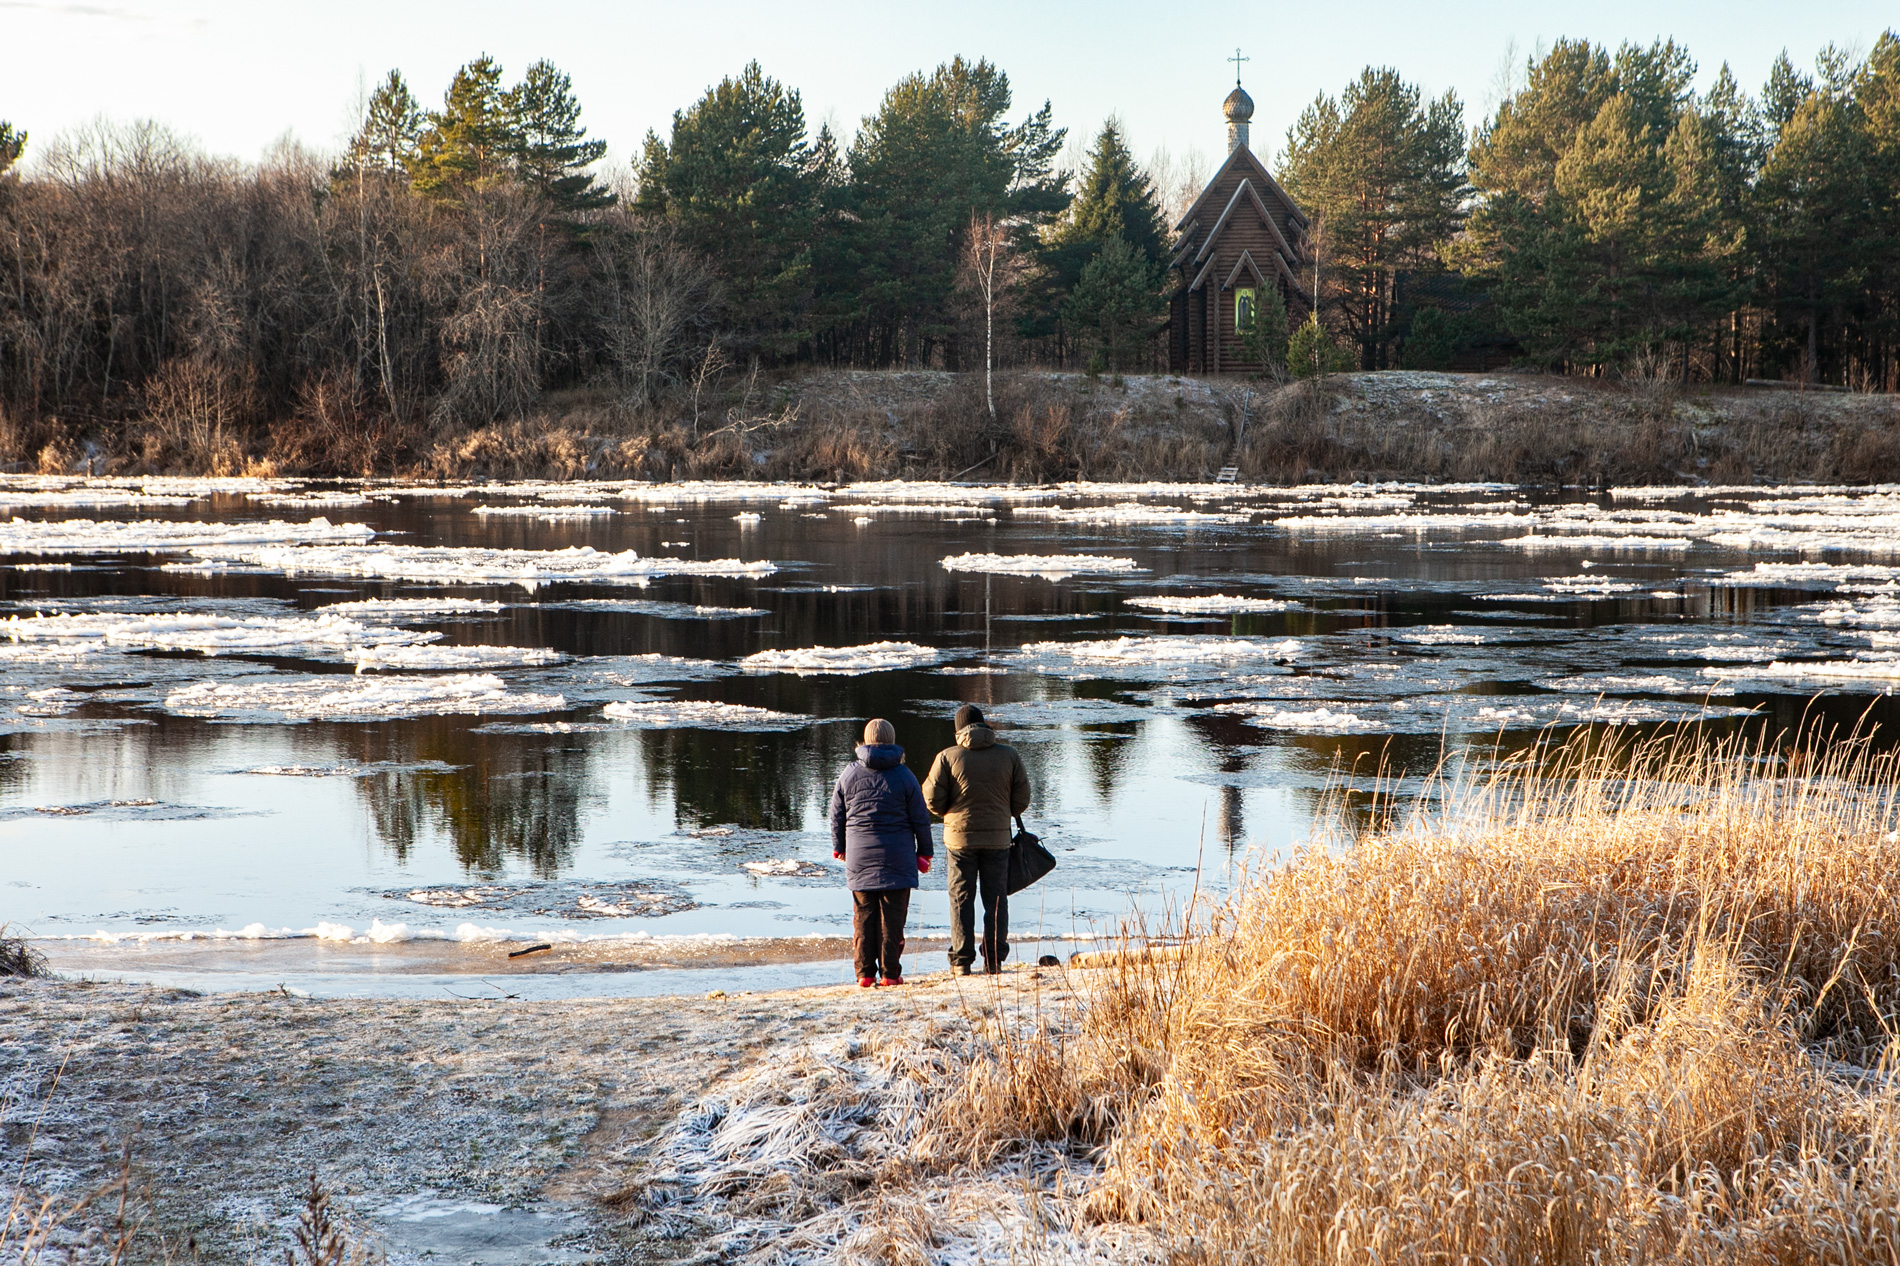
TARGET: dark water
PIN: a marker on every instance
(125, 819)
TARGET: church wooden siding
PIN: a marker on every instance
(1243, 231)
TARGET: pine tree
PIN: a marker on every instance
(471, 140)
(392, 127)
(551, 149)
(741, 183)
(1383, 171)
(12, 145)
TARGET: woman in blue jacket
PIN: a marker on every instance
(880, 830)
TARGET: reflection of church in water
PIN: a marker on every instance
(1242, 235)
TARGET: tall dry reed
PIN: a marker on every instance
(1610, 1003)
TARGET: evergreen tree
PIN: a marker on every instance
(551, 149)
(741, 183)
(1117, 305)
(937, 153)
(1115, 198)
(1382, 170)
(12, 145)
(1263, 338)
(1311, 352)
(392, 127)
(471, 140)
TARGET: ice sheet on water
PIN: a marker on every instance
(558, 899)
(1591, 583)
(310, 500)
(691, 491)
(1812, 575)
(912, 507)
(1720, 647)
(542, 727)
(1163, 652)
(411, 608)
(367, 769)
(1870, 669)
(453, 657)
(1049, 566)
(1441, 635)
(1633, 683)
(1879, 612)
(1212, 604)
(156, 536)
(655, 607)
(923, 490)
(873, 657)
(444, 564)
(1131, 514)
(358, 698)
(1308, 721)
(701, 714)
(545, 513)
(208, 633)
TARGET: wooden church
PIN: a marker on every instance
(1243, 234)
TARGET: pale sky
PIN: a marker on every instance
(238, 74)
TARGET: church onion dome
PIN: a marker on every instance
(1239, 106)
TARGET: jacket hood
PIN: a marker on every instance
(976, 737)
(880, 755)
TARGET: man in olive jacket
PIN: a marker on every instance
(976, 787)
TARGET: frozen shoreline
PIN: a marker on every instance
(457, 1115)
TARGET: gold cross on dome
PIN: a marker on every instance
(1236, 59)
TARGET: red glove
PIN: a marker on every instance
(836, 854)
(923, 865)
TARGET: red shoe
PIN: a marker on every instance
(891, 980)
(865, 982)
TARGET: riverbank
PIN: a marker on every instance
(1048, 426)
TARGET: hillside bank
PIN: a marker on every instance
(861, 424)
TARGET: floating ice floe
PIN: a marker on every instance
(412, 608)
(701, 714)
(690, 491)
(1310, 721)
(1867, 613)
(1132, 514)
(921, 490)
(654, 607)
(454, 657)
(842, 661)
(1212, 604)
(785, 866)
(1439, 635)
(912, 507)
(1884, 670)
(359, 698)
(544, 513)
(447, 565)
(1051, 566)
(565, 900)
(1591, 584)
(155, 536)
(310, 500)
(1163, 650)
(748, 517)
(208, 634)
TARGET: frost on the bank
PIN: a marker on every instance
(842, 660)
(1051, 566)
(359, 698)
(155, 536)
(701, 714)
(449, 565)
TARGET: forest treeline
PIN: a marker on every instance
(456, 264)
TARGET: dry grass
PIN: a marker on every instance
(19, 958)
(1621, 1005)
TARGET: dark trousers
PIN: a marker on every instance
(974, 870)
(877, 932)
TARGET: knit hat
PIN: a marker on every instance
(968, 715)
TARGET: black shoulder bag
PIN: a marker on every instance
(1028, 859)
